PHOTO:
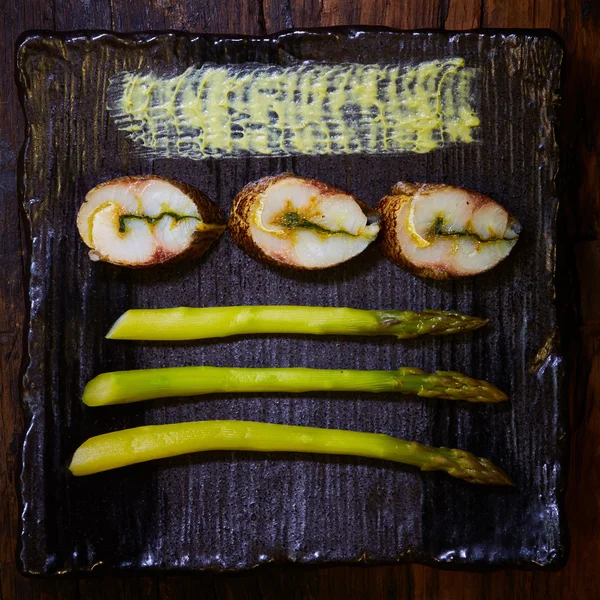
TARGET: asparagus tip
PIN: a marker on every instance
(431, 322)
(471, 468)
(492, 393)
(464, 323)
(494, 475)
(451, 385)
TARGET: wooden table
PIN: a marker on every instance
(578, 22)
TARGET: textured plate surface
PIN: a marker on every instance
(233, 510)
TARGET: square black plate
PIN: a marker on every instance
(233, 510)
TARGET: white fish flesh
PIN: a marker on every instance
(444, 232)
(300, 223)
(147, 220)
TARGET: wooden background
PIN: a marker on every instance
(578, 22)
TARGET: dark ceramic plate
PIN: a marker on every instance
(232, 510)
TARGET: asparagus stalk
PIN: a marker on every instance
(131, 446)
(132, 386)
(201, 323)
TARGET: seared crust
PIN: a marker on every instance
(244, 203)
(209, 213)
(389, 207)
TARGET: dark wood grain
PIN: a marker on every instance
(578, 21)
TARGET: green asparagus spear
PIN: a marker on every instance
(132, 386)
(131, 446)
(201, 323)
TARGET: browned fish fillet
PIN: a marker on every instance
(440, 231)
(145, 220)
(300, 223)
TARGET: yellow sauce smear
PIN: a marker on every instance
(314, 109)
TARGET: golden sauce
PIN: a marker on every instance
(313, 109)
